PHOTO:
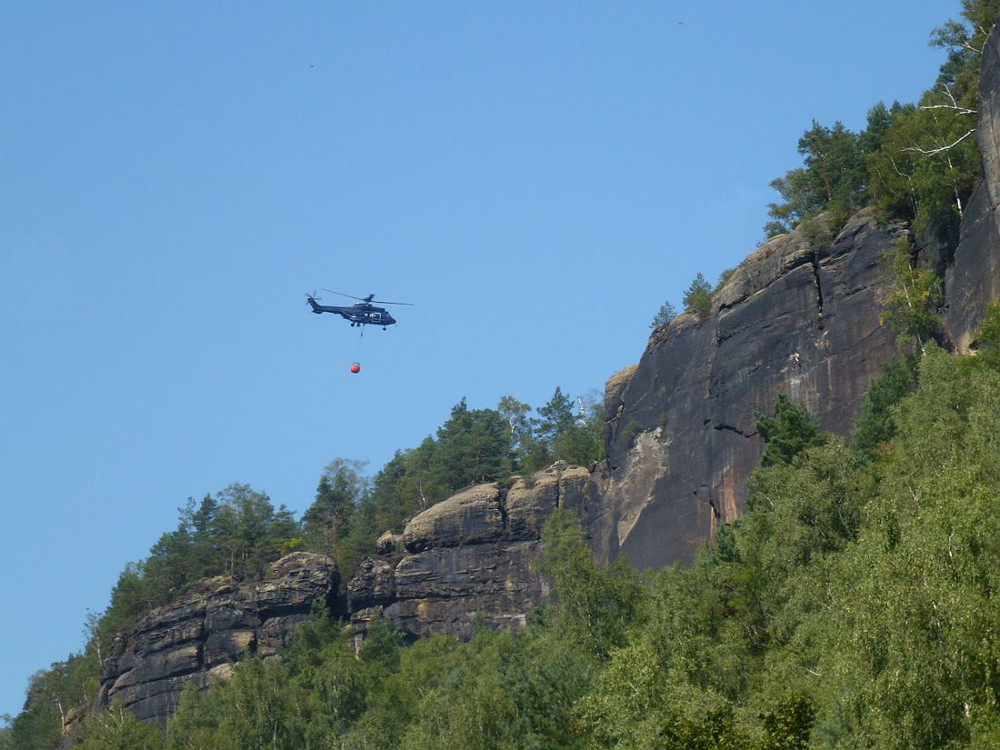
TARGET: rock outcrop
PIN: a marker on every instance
(197, 638)
(794, 317)
(798, 315)
(973, 280)
(471, 556)
(680, 436)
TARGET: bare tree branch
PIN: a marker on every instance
(930, 152)
(957, 110)
(954, 104)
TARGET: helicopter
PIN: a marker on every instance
(365, 313)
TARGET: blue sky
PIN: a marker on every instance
(537, 177)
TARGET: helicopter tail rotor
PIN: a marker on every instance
(312, 299)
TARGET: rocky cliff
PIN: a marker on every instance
(796, 316)
(196, 639)
(465, 559)
(470, 557)
(680, 439)
(973, 280)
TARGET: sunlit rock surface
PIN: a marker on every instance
(471, 557)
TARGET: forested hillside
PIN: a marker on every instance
(852, 606)
(238, 532)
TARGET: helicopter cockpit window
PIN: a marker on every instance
(376, 316)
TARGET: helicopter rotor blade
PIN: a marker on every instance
(370, 299)
(362, 299)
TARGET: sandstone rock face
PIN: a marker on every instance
(680, 427)
(471, 557)
(680, 434)
(973, 281)
(195, 639)
(680, 441)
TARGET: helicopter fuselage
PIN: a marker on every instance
(364, 314)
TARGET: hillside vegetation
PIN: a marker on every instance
(853, 606)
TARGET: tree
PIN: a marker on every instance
(698, 297)
(252, 533)
(832, 177)
(474, 445)
(555, 417)
(596, 605)
(964, 41)
(790, 431)
(875, 423)
(515, 414)
(115, 728)
(342, 486)
(663, 316)
(915, 295)
(987, 340)
(581, 441)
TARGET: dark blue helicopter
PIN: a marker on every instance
(363, 314)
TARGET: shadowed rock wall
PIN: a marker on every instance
(680, 426)
(197, 638)
(973, 281)
(680, 436)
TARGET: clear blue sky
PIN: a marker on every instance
(537, 177)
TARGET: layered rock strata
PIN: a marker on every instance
(471, 557)
(197, 638)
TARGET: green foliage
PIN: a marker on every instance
(789, 725)
(915, 296)
(236, 533)
(116, 729)
(332, 525)
(926, 166)
(341, 487)
(474, 446)
(928, 160)
(52, 693)
(663, 316)
(964, 40)
(918, 589)
(875, 424)
(301, 702)
(790, 431)
(575, 435)
(987, 339)
(596, 605)
(832, 178)
(698, 297)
